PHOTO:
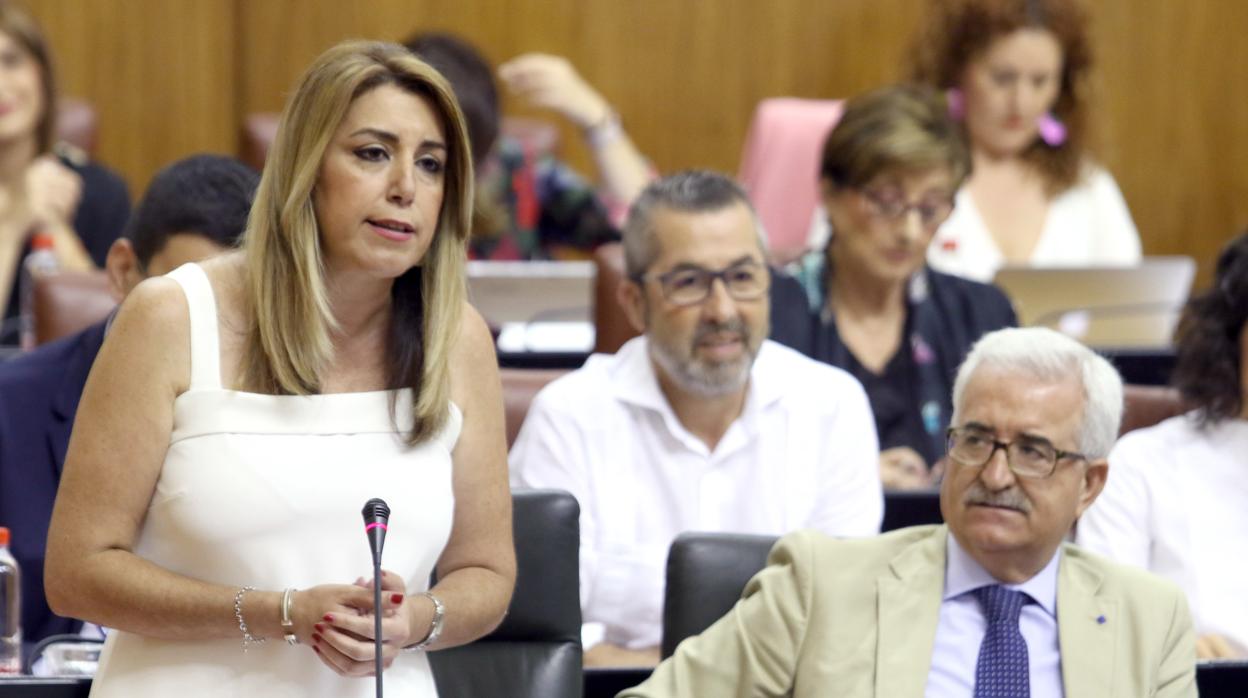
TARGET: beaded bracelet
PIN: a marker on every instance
(248, 638)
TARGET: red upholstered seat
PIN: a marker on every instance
(67, 302)
(1146, 405)
(520, 385)
(76, 124)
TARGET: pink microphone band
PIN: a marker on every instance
(375, 524)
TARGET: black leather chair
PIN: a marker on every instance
(36, 687)
(1222, 679)
(706, 573)
(911, 508)
(536, 651)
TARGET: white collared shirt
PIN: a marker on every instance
(803, 454)
(960, 629)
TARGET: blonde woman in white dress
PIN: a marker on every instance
(241, 412)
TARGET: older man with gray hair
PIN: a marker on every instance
(994, 602)
(700, 424)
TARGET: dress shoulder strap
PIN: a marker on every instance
(205, 345)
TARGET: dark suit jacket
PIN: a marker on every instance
(39, 394)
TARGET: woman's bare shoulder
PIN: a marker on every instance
(151, 331)
(474, 362)
(473, 329)
(227, 274)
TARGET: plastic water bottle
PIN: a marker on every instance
(40, 261)
(10, 609)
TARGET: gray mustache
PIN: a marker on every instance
(734, 326)
(1010, 499)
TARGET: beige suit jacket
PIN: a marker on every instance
(834, 617)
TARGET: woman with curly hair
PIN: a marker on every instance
(1176, 502)
(1016, 74)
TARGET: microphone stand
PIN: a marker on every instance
(376, 520)
(377, 619)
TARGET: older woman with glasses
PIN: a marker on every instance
(868, 303)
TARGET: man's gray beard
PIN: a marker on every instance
(703, 378)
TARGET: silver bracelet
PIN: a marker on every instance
(288, 624)
(605, 132)
(435, 627)
(248, 638)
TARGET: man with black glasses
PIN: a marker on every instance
(700, 424)
(993, 603)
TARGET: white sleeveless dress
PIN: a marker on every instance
(266, 491)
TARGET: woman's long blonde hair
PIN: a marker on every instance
(289, 344)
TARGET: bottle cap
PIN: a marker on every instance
(4, 536)
(42, 241)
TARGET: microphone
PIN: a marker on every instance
(376, 523)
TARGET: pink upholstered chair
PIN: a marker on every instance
(780, 166)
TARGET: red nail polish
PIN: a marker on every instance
(316, 638)
(396, 598)
(319, 628)
(329, 618)
(316, 649)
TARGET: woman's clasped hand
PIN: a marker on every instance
(336, 621)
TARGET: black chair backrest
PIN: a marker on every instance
(36, 651)
(706, 573)
(44, 687)
(911, 508)
(536, 651)
(1222, 679)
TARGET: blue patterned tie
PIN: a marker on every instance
(1002, 670)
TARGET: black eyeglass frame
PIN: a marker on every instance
(898, 210)
(710, 277)
(1058, 454)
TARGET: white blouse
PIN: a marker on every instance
(1086, 225)
(1176, 503)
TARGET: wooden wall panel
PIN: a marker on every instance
(1174, 98)
(684, 75)
(161, 74)
(175, 76)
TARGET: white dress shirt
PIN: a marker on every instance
(1176, 503)
(803, 454)
(961, 627)
(1086, 225)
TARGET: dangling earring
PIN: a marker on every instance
(955, 103)
(1052, 131)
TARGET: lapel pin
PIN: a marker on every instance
(1100, 620)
